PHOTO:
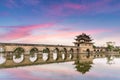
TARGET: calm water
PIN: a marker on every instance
(101, 69)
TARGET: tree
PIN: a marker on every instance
(110, 47)
(116, 49)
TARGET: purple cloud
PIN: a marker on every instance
(11, 4)
(30, 2)
(68, 8)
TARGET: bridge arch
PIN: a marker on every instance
(46, 54)
(56, 54)
(2, 54)
(64, 53)
(2, 49)
(18, 54)
(33, 54)
(71, 53)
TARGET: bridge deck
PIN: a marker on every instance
(24, 44)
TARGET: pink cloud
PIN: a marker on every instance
(23, 31)
(24, 74)
(64, 9)
(33, 73)
(48, 33)
(59, 35)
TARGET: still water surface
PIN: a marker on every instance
(100, 69)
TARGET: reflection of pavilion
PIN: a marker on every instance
(84, 64)
(83, 67)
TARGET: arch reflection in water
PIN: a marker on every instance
(33, 54)
(63, 56)
(70, 56)
(33, 59)
(18, 55)
(18, 60)
(71, 52)
(64, 53)
(2, 58)
(46, 53)
(2, 49)
(55, 54)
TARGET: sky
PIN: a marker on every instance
(59, 21)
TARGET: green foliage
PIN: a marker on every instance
(110, 48)
(116, 49)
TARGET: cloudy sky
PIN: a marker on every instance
(59, 21)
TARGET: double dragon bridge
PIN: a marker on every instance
(30, 54)
(16, 54)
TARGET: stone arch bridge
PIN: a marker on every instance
(11, 51)
(14, 54)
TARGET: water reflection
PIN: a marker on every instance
(83, 67)
(45, 56)
(85, 62)
(110, 60)
(82, 64)
(33, 58)
(54, 56)
(18, 60)
(63, 56)
(2, 58)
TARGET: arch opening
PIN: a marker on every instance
(64, 53)
(55, 54)
(45, 55)
(2, 55)
(2, 58)
(88, 53)
(18, 55)
(71, 53)
(33, 54)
